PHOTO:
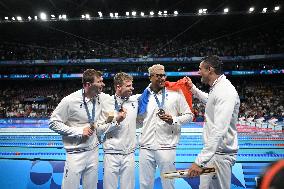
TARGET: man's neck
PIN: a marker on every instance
(118, 95)
(155, 89)
(213, 79)
(88, 94)
(121, 96)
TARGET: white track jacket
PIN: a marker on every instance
(157, 134)
(221, 114)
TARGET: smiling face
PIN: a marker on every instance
(92, 82)
(210, 68)
(123, 84)
(204, 72)
(98, 84)
(96, 87)
(125, 90)
(157, 77)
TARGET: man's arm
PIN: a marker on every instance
(58, 119)
(203, 96)
(223, 111)
(185, 114)
(107, 121)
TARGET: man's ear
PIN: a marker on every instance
(118, 86)
(86, 84)
(211, 69)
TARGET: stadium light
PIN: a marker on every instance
(53, 17)
(276, 8)
(85, 16)
(63, 16)
(251, 9)
(162, 13)
(226, 10)
(43, 16)
(202, 11)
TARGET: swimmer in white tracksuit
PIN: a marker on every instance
(219, 132)
(74, 118)
(119, 142)
(165, 113)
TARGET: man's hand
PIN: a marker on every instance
(87, 131)
(110, 117)
(194, 170)
(189, 82)
(121, 115)
(167, 118)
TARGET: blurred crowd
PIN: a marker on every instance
(155, 46)
(259, 100)
(262, 101)
(139, 67)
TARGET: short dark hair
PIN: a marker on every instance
(215, 62)
(120, 77)
(88, 75)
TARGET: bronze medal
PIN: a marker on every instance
(92, 126)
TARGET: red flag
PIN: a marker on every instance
(181, 85)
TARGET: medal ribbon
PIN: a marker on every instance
(160, 105)
(91, 119)
(116, 106)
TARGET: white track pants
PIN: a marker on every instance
(221, 180)
(83, 164)
(149, 160)
(117, 165)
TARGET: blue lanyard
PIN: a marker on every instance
(91, 119)
(160, 105)
(116, 106)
